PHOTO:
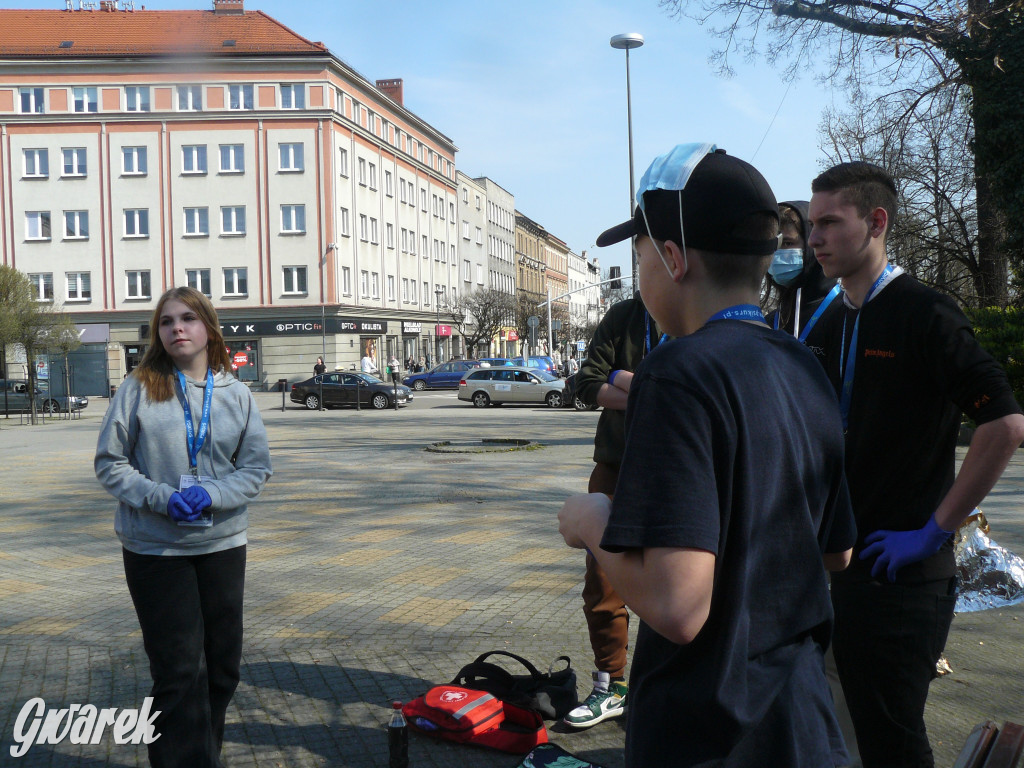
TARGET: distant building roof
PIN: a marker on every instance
(115, 30)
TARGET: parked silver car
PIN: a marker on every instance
(510, 384)
(15, 398)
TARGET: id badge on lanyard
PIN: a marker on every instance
(194, 442)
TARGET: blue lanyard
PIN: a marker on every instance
(847, 364)
(739, 312)
(817, 313)
(195, 442)
(647, 334)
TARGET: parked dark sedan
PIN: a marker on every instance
(572, 399)
(339, 389)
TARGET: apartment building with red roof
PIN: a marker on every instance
(141, 149)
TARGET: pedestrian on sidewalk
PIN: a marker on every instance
(320, 367)
(731, 495)
(183, 449)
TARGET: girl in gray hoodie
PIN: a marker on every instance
(183, 450)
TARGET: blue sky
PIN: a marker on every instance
(535, 98)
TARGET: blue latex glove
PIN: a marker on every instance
(894, 549)
(179, 509)
(197, 498)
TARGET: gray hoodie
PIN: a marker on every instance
(142, 453)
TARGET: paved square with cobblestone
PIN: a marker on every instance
(375, 570)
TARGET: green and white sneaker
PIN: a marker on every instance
(607, 700)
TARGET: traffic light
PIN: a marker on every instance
(615, 273)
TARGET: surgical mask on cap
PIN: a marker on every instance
(671, 171)
(786, 266)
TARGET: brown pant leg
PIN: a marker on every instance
(606, 614)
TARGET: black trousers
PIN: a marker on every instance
(190, 611)
(886, 641)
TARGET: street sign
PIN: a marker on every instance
(556, 325)
(533, 321)
(581, 346)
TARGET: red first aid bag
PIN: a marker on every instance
(475, 717)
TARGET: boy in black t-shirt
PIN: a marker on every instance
(904, 362)
(716, 548)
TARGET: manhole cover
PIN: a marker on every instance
(496, 445)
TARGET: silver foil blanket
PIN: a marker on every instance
(988, 576)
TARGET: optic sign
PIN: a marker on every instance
(299, 327)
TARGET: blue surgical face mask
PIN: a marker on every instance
(786, 266)
(671, 171)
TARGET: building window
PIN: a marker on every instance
(31, 101)
(137, 284)
(199, 279)
(343, 223)
(373, 176)
(197, 222)
(85, 100)
(412, 291)
(293, 219)
(136, 222)
(232, 158)
(401, 190)
(465, 195)
(364, 284)
(290, 156)
(190, 98)
(136, 98)
(240, 96)
(363, 228)
(235, 283)
(362, 171)
(193, 159)
(479, 236)
(42, 286)
(465, 230)
(232, 220)
(343, 162)
(133, 161)
(389, 184)
(375, 281)
(467, 273)
(389, 234)
(373, 231)
(391, 287)
(451, 212)
(426, 294)
(79, 288)
(346, 281)
(412, 242)
(423, 200)
(295, 280)
(37, 225)
(37, 163)
(478, 202)
(293, 96)
(74, 162)
(425, 250)
(76, 225)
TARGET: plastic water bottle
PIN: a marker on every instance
(398, 738)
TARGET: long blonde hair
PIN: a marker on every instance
(156, 371)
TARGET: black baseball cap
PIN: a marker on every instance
(721, 192)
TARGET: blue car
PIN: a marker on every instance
(543, 362)
(443, 376)
(495, 361)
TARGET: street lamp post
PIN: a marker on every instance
(437, 327)
(626, 42)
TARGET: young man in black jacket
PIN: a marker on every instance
(904, 362)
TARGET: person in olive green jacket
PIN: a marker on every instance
(624, 336)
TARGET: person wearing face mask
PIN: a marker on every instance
(731, 498)
(798, 288)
